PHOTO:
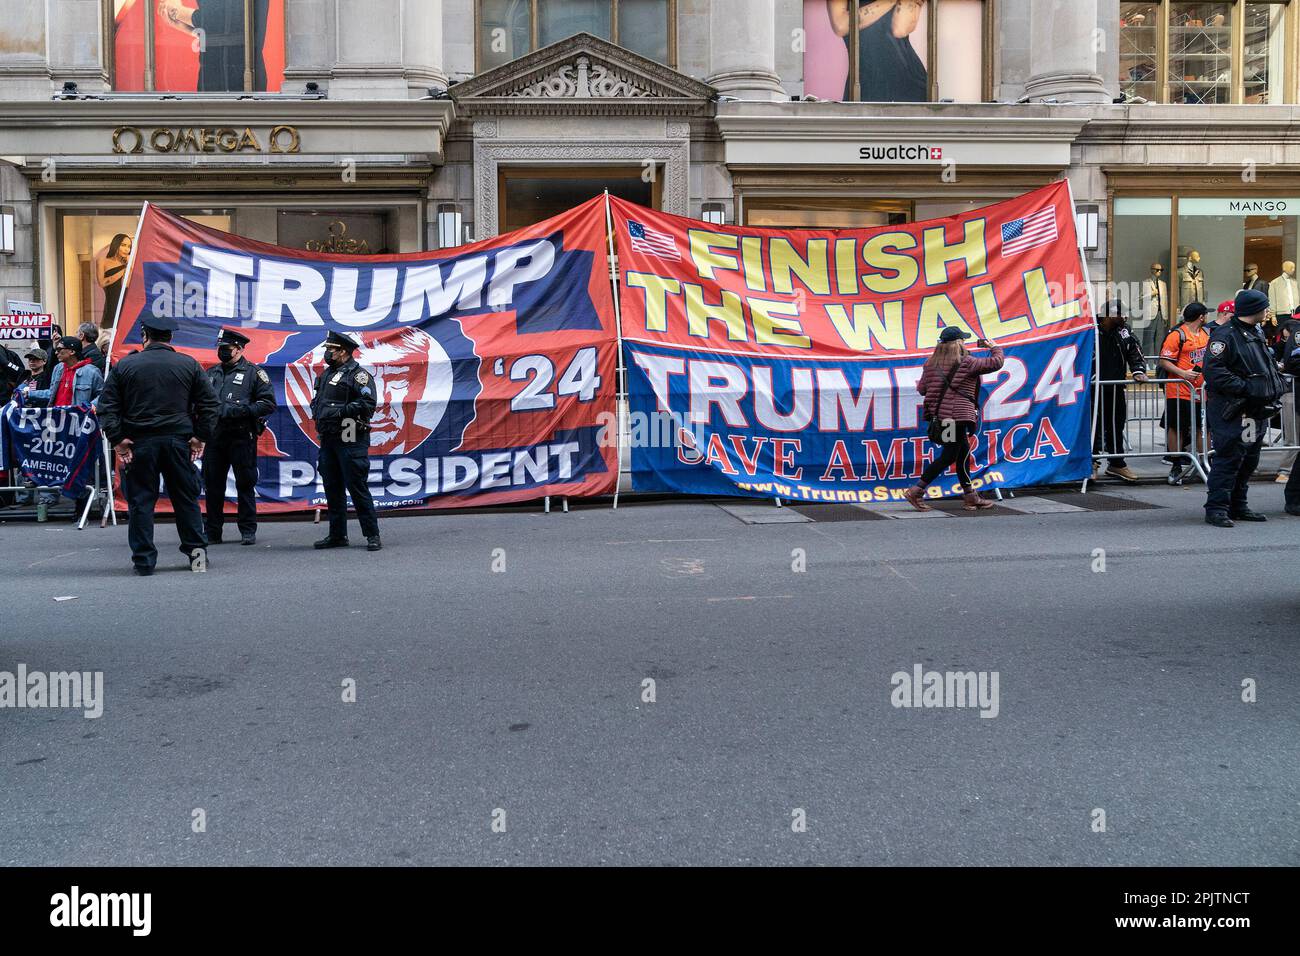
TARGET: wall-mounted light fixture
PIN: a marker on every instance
(1087, 221)
(449, 225)
(7, 219)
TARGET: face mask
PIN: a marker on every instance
(331, 357)
(225, 352)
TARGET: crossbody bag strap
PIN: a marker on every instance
(938, 404)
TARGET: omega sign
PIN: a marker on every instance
(203, 139)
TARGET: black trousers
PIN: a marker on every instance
(168, 457)
(219, 458)
(1234, 460)
(951, 453)
(1291, 493)
(1114, 416)
(344, 469)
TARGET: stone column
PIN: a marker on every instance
(422, 53)
(1063, 53)
(24, 67)
(76, 52)
(369, 61)
(309, 45)
(742, 54)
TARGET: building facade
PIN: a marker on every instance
(368, 126)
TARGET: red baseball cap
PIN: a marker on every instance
(1227, 307)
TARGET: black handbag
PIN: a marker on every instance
(934, 430)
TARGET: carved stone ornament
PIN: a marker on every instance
(581, 79)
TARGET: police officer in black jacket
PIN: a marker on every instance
(1118, 354)
(12, 371)
(1242, 391)
(1291, 365)
(342, 405)
(246, 397)
(157, 409)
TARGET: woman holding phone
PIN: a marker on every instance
(950, 388)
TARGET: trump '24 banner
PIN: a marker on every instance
(784, 363)
(494, 362)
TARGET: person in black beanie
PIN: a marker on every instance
(1243, 391)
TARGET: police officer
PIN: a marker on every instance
(246, 397)
(157, 409)
(1242, 391)
(12, 373)
(342, 405)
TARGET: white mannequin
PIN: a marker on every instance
(1283, 293)
(1155, 296)
(1191, 280)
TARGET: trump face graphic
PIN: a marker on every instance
(413, 381)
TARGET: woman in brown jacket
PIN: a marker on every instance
(950, 387)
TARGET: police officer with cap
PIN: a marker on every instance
(1242, 392)
(157, 409)
(342, 405)
(246, 397)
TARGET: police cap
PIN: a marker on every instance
(342, 340)
(232, 337)
(160, 323)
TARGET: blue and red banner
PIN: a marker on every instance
(494, 362)
(768, 362)
(52, 447)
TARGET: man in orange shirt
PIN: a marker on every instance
(1180, 359)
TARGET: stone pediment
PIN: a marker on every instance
(582, 74)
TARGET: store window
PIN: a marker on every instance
(95, 244)
(1228, 52)
(1169, 250)
(529, 194)
(507, 29)
(197, 46)
(906, 51)
(847, 212)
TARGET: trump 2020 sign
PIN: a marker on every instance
(494, 362)
(785, 362)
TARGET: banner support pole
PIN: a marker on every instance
(108, 355)
(1096, 338)
(618, 355)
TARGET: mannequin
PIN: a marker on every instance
(1191, 280)
(1250, 278)
(1153, 308)
(1283, 293)
(1155, 295)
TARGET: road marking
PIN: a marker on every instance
(753, 597)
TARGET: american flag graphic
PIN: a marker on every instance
(1029, 231)
(651, 242)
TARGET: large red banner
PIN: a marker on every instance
(494, 362)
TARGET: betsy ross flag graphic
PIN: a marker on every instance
(1028, 232)
(652, 243)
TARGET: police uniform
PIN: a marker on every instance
(159, 399)
(246, 397)
(1291, 365)
(1242, 388)
(341, 406)
(12, 372)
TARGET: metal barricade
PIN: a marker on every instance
(1134, 420)
(1281, 432)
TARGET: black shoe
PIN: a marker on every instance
(1248, 515)
(214, 538)
(1175, 474)
(1218, 519)
(142, 571)
(327, 542)
(249, 538)
(373, 543)
(1293, 510)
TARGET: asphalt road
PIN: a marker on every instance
(521, 690)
